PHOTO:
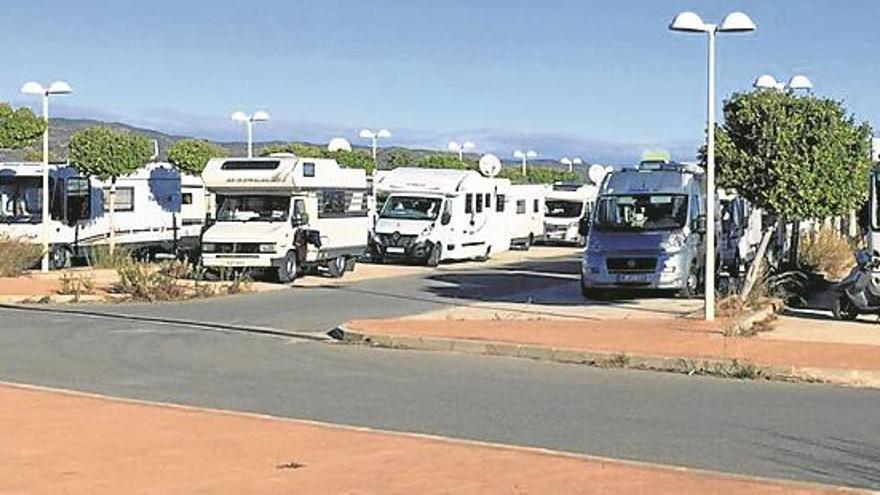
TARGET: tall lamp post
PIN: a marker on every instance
(571, 162)
(56, 88)
(524, 156)
(796, 82)
(374, 137)
(460, 148)
(688, 22)
(248, 120)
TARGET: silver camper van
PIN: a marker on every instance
(647, 231)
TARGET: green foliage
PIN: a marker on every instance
(19, 127)
(191, 155)
(399, 157)
(538, 175)
(796, 157)
(443, 160)
(108, 153)
(34, 155)
(348, 159)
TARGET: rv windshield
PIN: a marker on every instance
(263, 208)
(20, 199)
(557, 208)
(411, 208)
(642, 212)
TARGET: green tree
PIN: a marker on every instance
(32, 154)
(19, 127)
(796, 157)
(398, 157)
(443, 160)
(538, 175)
(191, 155)
(108, 154)
(347, 159)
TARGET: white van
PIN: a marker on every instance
(285, 215)
(566, 205)
(158, 210)
(433, 215)
(525, 213)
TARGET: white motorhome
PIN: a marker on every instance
(157, 210)
(566, 204)
(525, 213)
(285, 215)
(433, 215)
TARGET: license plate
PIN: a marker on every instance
(395, 250)
(632, 278)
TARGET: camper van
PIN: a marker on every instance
(647, 231)
(285, 215)
(158, 210)
(566, 204)
(524, 209)
(433, 215)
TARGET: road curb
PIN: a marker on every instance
(722, 367)
(227, 327)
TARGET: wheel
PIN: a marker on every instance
(691, 286)
(336, 266)
(59, 258)
(434, 256)
(528, 244)
(287, 271)
(843, 309)
(485, 257)
(350, 263)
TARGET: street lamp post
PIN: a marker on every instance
(570, 162)
(796, 82)
(56, 88)
(460, 148)
(524, 156)
(248, 120)
(374, 137)
(688, 22)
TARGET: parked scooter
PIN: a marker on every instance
(859, 292)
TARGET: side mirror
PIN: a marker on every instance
(300, 220)
(584, 226)
(445, 218)
(700, 224)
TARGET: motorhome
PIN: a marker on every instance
(566, 204)
(285, 215)
(524, 209)
(741, 230)
(158, 210)
(433, 215)
(647, 231)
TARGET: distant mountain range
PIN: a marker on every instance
(61, 129)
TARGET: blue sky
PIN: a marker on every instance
(599, 79)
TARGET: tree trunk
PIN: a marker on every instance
(112, 210)
(758, 263)
(794, 253)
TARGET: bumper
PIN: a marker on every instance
(415, 250)
(669, 274)
(241, 260)
(569, 234)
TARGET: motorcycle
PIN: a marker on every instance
(859, 292)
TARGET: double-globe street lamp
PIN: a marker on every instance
(524, 156)
(460, 148)
(37, 89)
(374, 137)
(689, 22)
(248, 120)
(796, 82)
(571, 162)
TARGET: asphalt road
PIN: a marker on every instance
(805, 432)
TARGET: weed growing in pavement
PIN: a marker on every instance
(17, 255)
(617, 360)
(76, 285)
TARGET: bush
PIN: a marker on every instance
(827, 253)
(145, 282)
(76, 285)
(100, 257)
(17, 255)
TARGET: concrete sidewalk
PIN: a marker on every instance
(670, 345)
(64, 442)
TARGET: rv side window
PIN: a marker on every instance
(488, 200)
(186, 198)
(479, 203)
(469, 203)
(308, 169)
(520, 207)
(78, 199)
(124, 199)
(536, 207)
(499, 203)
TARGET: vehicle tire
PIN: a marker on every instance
(336, 267)
(485, 257)
(435, 255)
(286, 273)
(691, 286)
(350, 263)
(843, 309)
(528, 244)
(59, 258)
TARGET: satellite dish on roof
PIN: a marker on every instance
(597, 174)
(490, 165)
(339, 144)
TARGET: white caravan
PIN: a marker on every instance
(157, 210)
(525, 213)
(433, 215)
(286, 215)
(566, 205)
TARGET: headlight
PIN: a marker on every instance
(267, 248)
(674, 242)
(208, 247)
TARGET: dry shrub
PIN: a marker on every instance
(827, 253)
(76, 285)
(145, 282)
(17, 255)
(100, 257)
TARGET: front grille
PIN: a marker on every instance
(631, 265)
(236, 247)
(397, 240)
(556, 228)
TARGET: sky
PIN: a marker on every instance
(602, 80)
